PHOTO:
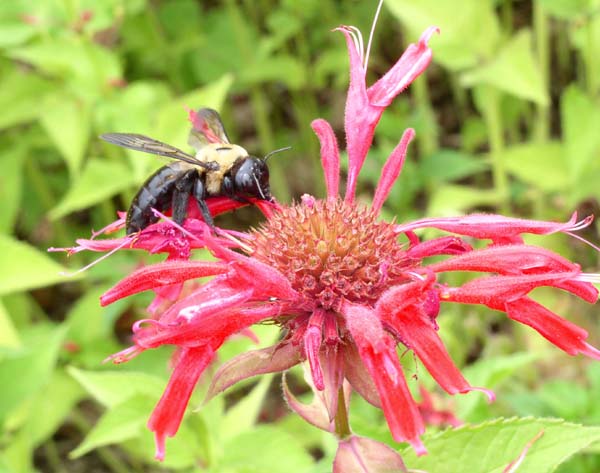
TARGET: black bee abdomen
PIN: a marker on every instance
(157, 193)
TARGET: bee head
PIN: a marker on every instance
(251, 178)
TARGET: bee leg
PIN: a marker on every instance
(199, 194)
(181, 195)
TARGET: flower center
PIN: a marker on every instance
(331, 250)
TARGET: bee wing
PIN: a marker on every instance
(149, 145)
(207, 128)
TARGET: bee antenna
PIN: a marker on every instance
(275, 151)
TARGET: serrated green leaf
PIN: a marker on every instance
(264, 448)
(98, 181)
(26, 371)
(110, 388)
(492, 446)
(121, 422)
(23, 267)
(466, 37)
(543, 165)
(11, 180)
(20, 96)
(513, 70)
(68, 123)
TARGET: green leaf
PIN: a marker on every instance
(68, 122)
(110, 388)
(465, 38)
(9, 338)
(50, 407)
(87, 66)
(11, 183)
(490, 373)
(98, 181)
(13, 33)
(580, 119)
(20, 96)
(284, 69)
(264, 448)
(447, 165)
(454, 199)
(121, 422)
(513, 70)
(543, 165)
(490, 447)
(26, 371)
(244, 414)
(23, 267)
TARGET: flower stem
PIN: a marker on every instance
(493, 121)
(428, 137)
(542, 40)
(342, 427)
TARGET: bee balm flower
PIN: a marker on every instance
(347, 288)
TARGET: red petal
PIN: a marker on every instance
(508, 259)
(330, 156)
(448, 245)
(391, 170)
(565, 335)
(168, 413)
(359, 378)
(411, 64)
(161, 274)
(378, 353)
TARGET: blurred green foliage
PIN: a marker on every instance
(507, 119)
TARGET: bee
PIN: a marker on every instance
(219, 168)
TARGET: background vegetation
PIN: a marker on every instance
(507, 120)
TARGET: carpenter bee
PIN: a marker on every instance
(219, 168)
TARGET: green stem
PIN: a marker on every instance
(493, 121)
(590, 60)
(542, 40)
(342, 427)
(53, 457)
(428, 137)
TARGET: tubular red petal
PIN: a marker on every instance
(421, 336)
(391, 170)
(500, 229)
(495, 291)
(411, 64)
(168, 413)
(448, 245)
(214, 327)
(330, 156)
(508, 259)
(377, 350)
(161, 274)
(565, 335)
(359, 378)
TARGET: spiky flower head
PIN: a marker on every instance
(346, 287)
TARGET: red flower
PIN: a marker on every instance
(343, 289)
